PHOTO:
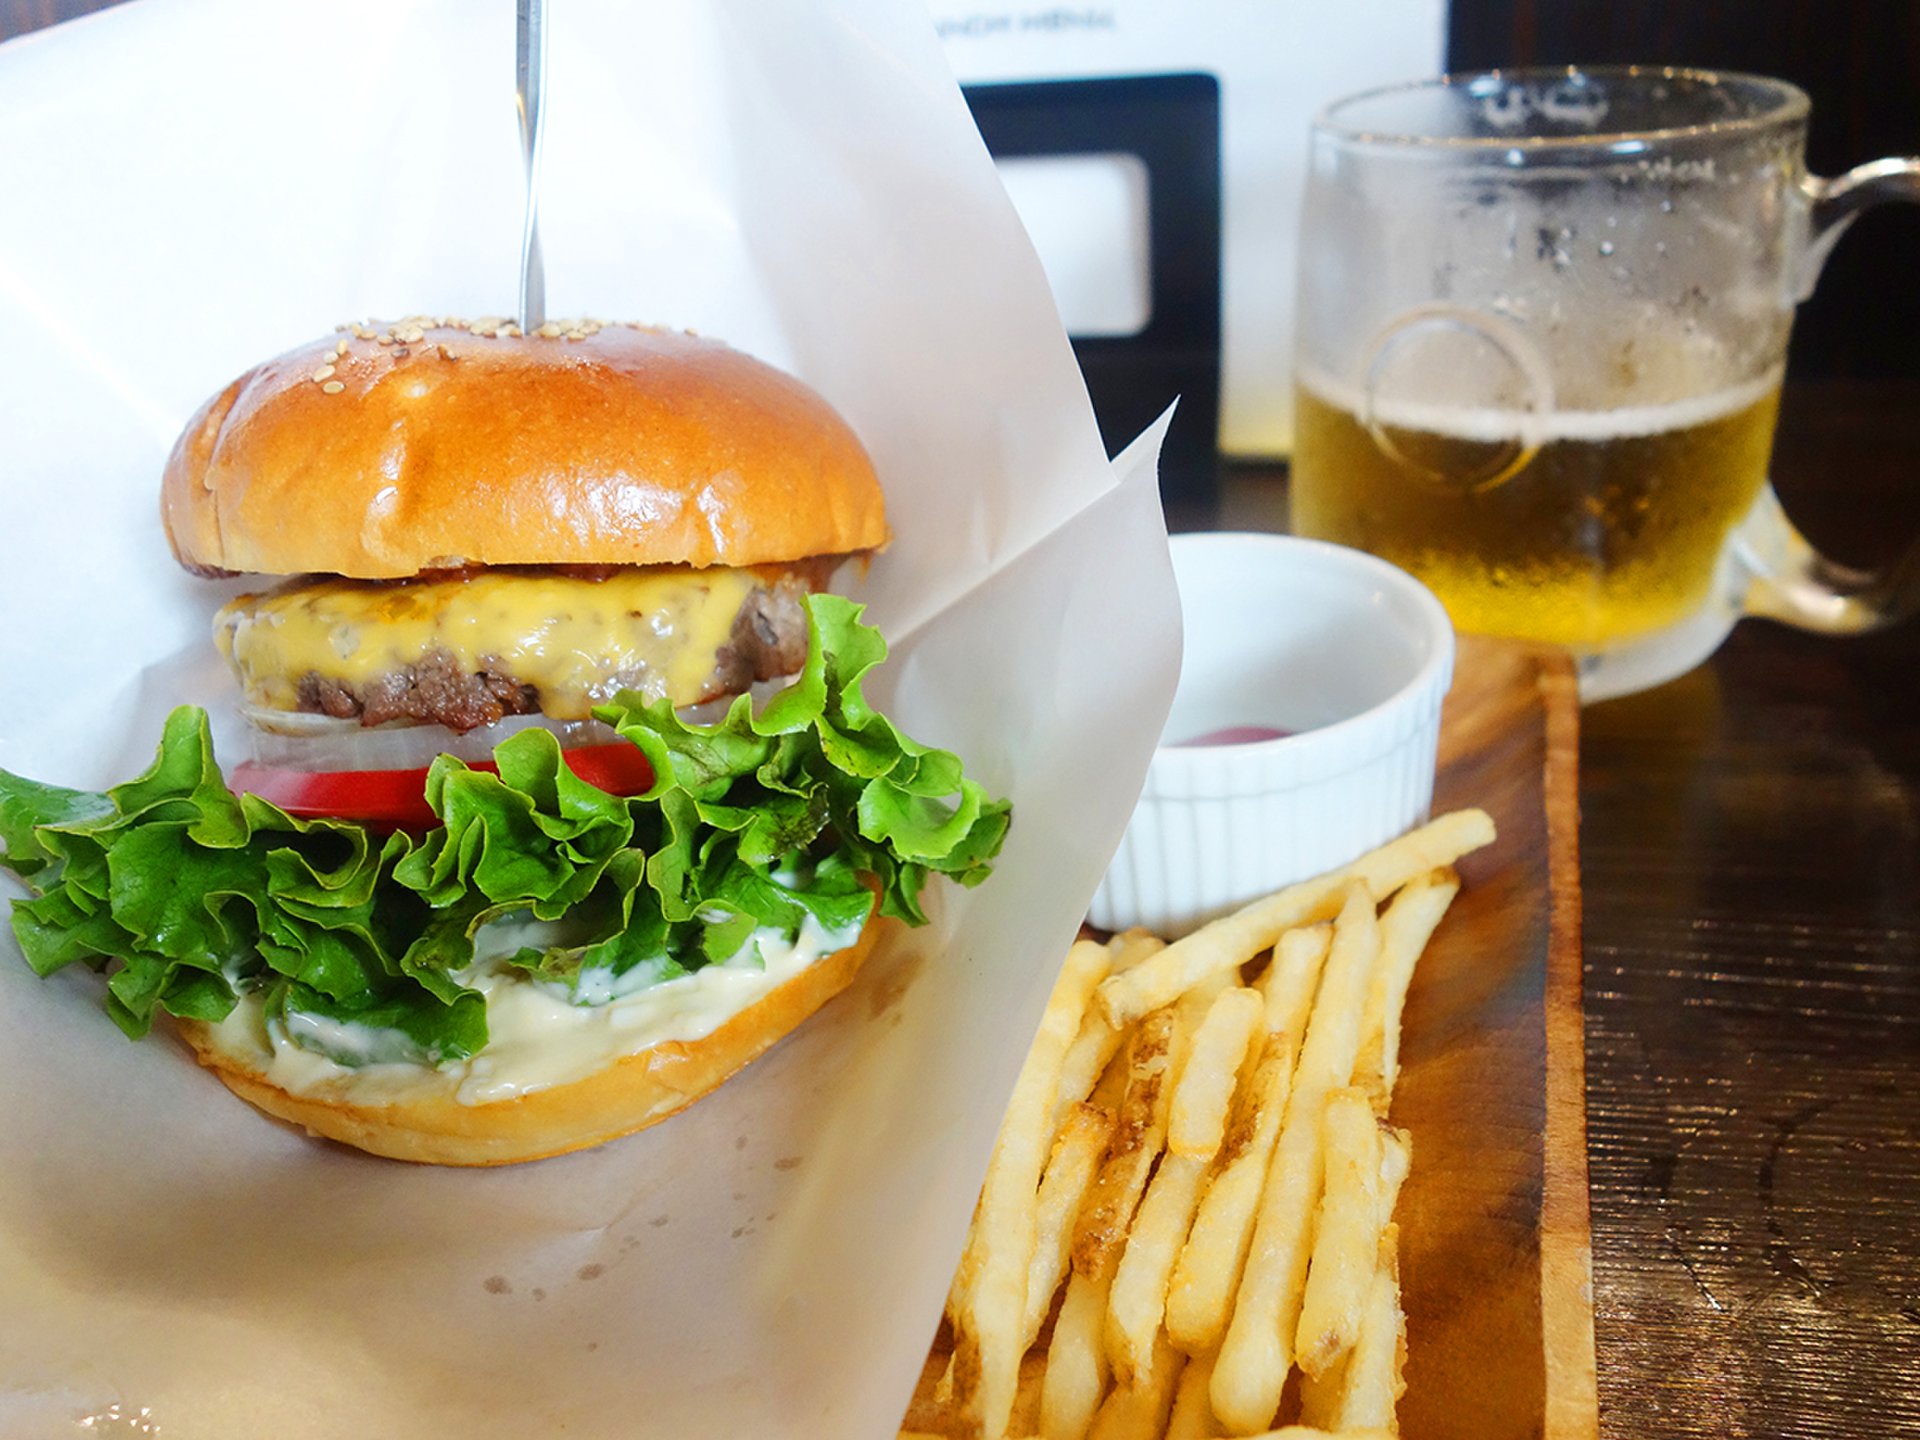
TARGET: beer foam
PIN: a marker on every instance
(1488, 426)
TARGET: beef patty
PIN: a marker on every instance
(466, 650)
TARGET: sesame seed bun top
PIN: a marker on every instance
(381, 452)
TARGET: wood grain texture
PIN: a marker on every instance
(1754, 1042)
(1752, 866)
(1494, 1214)
(1566, 1260)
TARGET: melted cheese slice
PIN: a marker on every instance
(577, 641)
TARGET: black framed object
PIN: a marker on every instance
(1171, 125)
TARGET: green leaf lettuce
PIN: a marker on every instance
(187, 894)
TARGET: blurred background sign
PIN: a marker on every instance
(1118, 247)
(1118, 182)
(1272, 64)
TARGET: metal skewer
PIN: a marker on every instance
(530, 78)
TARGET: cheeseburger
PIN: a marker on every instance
(515, 865)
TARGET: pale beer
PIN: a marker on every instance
(1582, 528)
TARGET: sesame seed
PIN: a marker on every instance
(383, 339)
(341, 348)
(332, 387)
(325, 372)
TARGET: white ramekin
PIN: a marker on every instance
(1352, 656)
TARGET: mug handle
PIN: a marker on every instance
(1789, 580)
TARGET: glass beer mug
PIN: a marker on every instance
(1543, 319)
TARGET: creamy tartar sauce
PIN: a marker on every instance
(537, 1035)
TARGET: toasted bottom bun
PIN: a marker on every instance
(434, 1128)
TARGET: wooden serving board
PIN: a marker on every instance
(1494, 1244)
(1495, 1250)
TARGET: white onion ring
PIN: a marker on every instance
(286, 740)
(296, 740)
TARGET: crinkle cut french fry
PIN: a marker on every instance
(1346, 1232)
(1234, 939)
(1200, 1293)
(1139, 1411)
(1077, 1153)
(1076, 1373)
(1405, 928)
(989, 1334)
(1256, 1354)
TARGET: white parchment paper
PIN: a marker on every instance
(189, 187)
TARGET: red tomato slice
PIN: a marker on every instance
(397, 799)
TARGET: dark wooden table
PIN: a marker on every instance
(1750, 840)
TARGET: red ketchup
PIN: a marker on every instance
(1238, 735)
